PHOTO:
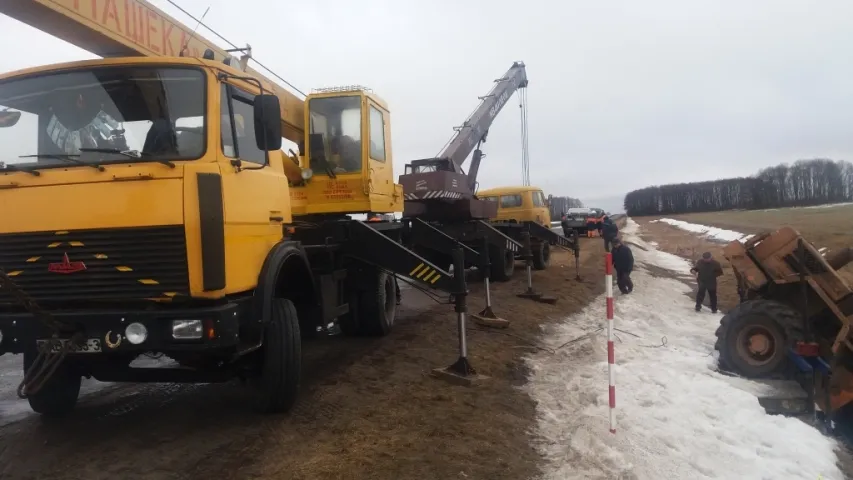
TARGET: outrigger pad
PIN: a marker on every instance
(460, 373)
(539, 297)
(548, 299)
(530, 294)
(491, 322)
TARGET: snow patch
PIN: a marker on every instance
(677, 416)
(712, 233)
(825, 205)
(831, 205)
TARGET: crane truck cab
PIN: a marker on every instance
(519, 204)
(149, 210)
(347, 165)
(523, 205)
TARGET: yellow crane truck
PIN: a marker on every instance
(149, 207)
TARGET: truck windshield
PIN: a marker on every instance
(335, 134)
(102, 115)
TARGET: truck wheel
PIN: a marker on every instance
(281, 360)
(503, 264)
(58, 396)
(378, 305)
(754, 337)
(542, 256)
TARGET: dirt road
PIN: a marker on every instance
(369, 408)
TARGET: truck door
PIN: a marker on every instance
(255, 194)
(541, 213)
(380, 177)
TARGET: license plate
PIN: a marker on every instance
(92, 345)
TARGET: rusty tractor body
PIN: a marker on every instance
(794, 317)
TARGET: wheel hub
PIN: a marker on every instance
(757, 345)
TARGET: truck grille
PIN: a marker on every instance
(103, 264)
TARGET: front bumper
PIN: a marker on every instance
(221, 329)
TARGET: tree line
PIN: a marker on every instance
(805, 183)
(561, 204)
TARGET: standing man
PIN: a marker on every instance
(564, 222)
(623, 263)
(609, 231)
(707, 270)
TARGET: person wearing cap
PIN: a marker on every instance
(623, 263)
(707, 270)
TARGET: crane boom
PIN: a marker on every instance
(438, 187)
(475, 128)
(112, 28)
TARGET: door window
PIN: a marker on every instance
(510, 201)
(237, 123)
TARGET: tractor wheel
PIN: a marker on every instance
(503, 264)
(541, 256)
(58, 396)
(754, 337)
(281, 360)
(377, 304)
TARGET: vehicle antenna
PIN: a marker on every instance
(187, 44)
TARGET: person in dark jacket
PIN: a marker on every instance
(609, 231)
(707, 270)
(623, 263)
(564, 222)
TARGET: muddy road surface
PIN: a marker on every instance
(368, 408)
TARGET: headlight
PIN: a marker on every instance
(187, 329)
(307, 173)
(136, 333)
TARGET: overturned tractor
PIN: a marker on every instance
(794, 317)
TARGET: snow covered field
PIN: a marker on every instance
(677, 417)
(712, 233)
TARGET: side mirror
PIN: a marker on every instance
(267, 122)
(9, 118)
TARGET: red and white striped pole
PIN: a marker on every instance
(608, 288)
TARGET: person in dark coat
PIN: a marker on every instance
(564, 222)
(609, 231)
(707, 270)
(623, 263)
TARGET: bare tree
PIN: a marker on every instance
(806, 182)
(559, 205)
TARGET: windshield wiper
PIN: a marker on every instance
(14, 168)
(65, 157)
(130, 154)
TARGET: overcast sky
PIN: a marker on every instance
(623, 94)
